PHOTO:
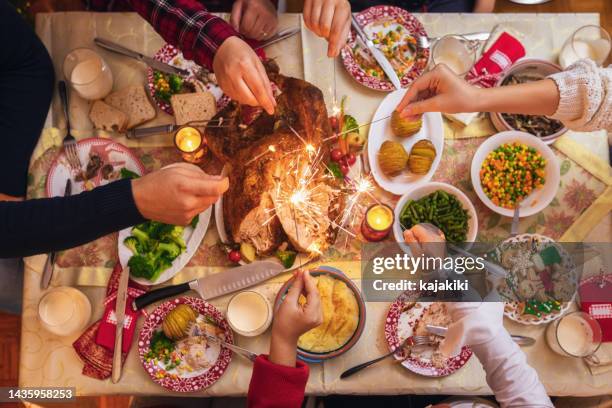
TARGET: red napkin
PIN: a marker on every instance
(502, 54)
(96, 344)
(596, 300)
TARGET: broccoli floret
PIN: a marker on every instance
(142, 237)
(194, 221)
(128, 174)
(133, 244)
(142, 266)
(174, 235)
(171, 249)
(175, 82)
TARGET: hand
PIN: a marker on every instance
(292, 320)
(255, 19)
(177, 193)
(473, 323)
(330, 19)
(439, 90)
(423, 241)
(242, 76)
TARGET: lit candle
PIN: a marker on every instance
(377, 222)
(189, 141)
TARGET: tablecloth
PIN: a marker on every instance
(50, 361)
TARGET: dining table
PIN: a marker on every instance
(579, 213)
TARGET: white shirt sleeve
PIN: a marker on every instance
(585, 96)
(513, 381)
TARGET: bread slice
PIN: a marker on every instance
(134, 102)
(107, 118)
(193, 106)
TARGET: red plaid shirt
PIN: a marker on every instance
(186, 24)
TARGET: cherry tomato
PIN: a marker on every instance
(344, 169)
(333, 121)
(234, 256)
(336, 155)
(350, 159)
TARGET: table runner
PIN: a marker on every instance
(50, 361)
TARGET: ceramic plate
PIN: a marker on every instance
(172, 56)
(399, 326)
(381, 131)
(197, 379)
(110, 151)
(385, 18)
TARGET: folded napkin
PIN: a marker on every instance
(96, 345)
(596, 299)
(497, 58)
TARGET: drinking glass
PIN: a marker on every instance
(88, 74)
(457, 52)
(590, 41)
(64, 311)
(576, 334)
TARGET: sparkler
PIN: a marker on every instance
(353, 129)
(271, 149)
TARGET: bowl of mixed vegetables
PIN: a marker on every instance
(514, 168)
(440, 204)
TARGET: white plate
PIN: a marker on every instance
(422, 191)
(538, 199)
(193, 239)
(432, 130)
(117, 154)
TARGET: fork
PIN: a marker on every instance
(69, 142)
(410, 341)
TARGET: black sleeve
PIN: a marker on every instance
(51, 224)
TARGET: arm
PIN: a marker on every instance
(173, 195)
(279, 380)
(52, 224)
(513, 381)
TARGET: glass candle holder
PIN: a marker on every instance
(377, 222)
(190, 142)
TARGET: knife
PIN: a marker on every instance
(150, 131)
(120, 317)
(216, 285)
(50, 262)
(281, 35)
(377, 54)
(520, 340)
(153, 63)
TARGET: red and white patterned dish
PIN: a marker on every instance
(200, 380)
(170, 55)
(399, 325)
(117, 154)
(372, 16)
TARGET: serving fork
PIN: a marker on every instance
(69, 143)
(410, 341)
(249, 355)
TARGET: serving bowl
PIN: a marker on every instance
(422, 191)
(313, 357)
(527, 66)
(539, 198)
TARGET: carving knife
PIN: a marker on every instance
(520, 340)
(377, 54)
(120, 317)
(152, 62)
(50, 263)
(216, 285)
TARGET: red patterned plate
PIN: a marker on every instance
(189, 381)
(173, 56)
(116, 154)
(384, 18)
(399, 325)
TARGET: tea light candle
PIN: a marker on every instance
(377, 222)
(189, 141)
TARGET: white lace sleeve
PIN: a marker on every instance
(585, 101)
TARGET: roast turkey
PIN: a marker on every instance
(267, 162)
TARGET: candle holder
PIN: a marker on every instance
(377, 222)
(190, 142)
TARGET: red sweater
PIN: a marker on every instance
(277, 386)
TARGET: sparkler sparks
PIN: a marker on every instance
(271, 149)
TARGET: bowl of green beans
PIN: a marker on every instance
(440, 204)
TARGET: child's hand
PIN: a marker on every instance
(292, 320)
(423, 241)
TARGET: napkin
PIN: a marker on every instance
(95, 346)
(596, 299)
(497, 58)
